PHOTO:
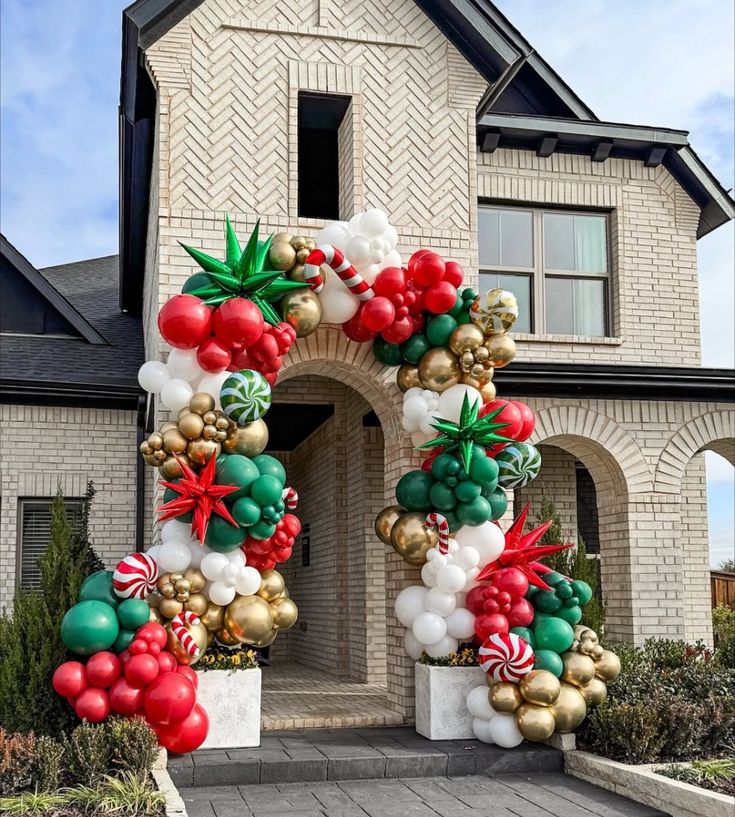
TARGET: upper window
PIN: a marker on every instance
(35, 535)
(555, 263)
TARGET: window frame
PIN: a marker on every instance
(538, 272)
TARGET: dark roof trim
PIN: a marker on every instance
(50, 293)
(616, 382)
(630, 141)
(114, 395)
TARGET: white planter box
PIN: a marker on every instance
(441, 693)
(232, 701)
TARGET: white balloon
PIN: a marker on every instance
(429, 628)
(338, 303)
(153, 552)
(467, 557)
(478, 702)
(335, 234)
(461, 624)
(230, 570)
(443, 647)
(213, 566)
(176, 394)
(409, 425)
(353, 225)
(415, 408)
(373, 223)
(198, 552)
(182, 363)
(419, 438)
(392, 259)
(451, 578)
(409, 603)
(450, 401)
(358, 250)
(414, 648)
(153, 376)
(174, 557)
(439, 602)
(390, 236)
(504, 731)
(212, 384)
(481, 730)
(487, 539)
(221, 593)
(376, 257)
(425, 423)
(247, 581)
(428, 575)
(175, 531)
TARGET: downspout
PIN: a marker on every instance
(140, 469)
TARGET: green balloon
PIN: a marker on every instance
(123, 640)
(484, 469)
(389, 354)
(237, 470)
(458, 308)
(553, 578)
(474, 513)
(547, 601)
(98, 587)
(467, 491)
(89, 627)
(222, 536)
(452, 520)
(582, 591)
(262, 530)
(548, 660)
(572, 614)
(413, 489)
(554, 634)
(133, 613)
(196, 281)
(413, 349)
(266, 490)
(445, 465)
(498, 503)
(439, 329)
(564, 590)
(270, 466)
(538, 615)
(526, 634)
(442, 497)
(247, 511)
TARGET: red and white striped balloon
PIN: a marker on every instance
(334, 258)
(291, 498)
(506, 657)
(436, 520)
(135, 576)
(178, 628)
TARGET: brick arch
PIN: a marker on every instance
(607, 450)
(712, 431)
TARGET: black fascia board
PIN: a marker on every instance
(113, 395)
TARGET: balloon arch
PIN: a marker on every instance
(228, 511)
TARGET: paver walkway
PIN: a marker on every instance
(536, 795)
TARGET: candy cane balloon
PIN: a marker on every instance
(178, 628)
(291, 498)
(436, 520)
(335, 259)
(135, 576)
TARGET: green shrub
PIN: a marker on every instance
(628, 732)
(124, 795)
(48, 764)
(723, 625)
(134, 746)
(16, 761)
(88, 754)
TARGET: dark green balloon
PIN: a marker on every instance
(474, 513)
(554, 634)
(247, 511)
(467, 491)
(452, 521)
(548, 660)
(553, 578)
(98, 587)
(222, 536)
(564, 590)
(89, 627)
(458, 307)
(270, 466)
(196, 281)
(582, 591)
(439, 329)
(133, 613)
(547, 601)
(237, 470)
(526, 634)
(484, 469)
(262, 530)
(413, 349)
(123, 640)
(266, 490)
(498, 503)
(442, 497)
(412, 491)
(445, 465)
(572, 614)
(386, 353)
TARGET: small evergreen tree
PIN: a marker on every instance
(30, 636)
(560, 562)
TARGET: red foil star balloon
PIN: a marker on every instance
(521, 551)
(198, 494)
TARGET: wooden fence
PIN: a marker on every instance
(723, 588)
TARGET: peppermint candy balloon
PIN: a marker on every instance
(245, 396)
(518, 464)
(135, 576)
(506, 657)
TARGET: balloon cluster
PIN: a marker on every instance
(265, 554)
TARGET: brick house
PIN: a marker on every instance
(448, 120)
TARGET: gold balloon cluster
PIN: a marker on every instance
(494, 314)
(301, 308)
(199, 432)
(544, 704)
(406, 533)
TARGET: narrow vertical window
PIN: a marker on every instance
(35, 535)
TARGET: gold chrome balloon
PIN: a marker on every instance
(266, 642)
(249, 440)
(282, 255)
(569, 710)
(174, 441)
(170, 468)
(199, 451)
(495, 312)
(225, 638)
(272, 585)
(191, 425)
(411, 539)
(505, 697)
(594, 692)
(248, 619)
(540, 687)
(578, 669)
(407, 377)
(466, 338)
(488, 391)
(607, 666)
(282, 237)
(213, 617)
(169, 608)
(535, 722)
(199, 633)
(302, 310)
(439, 369)
(296, 273)
(285, 612)
(201, 403)
(502, 350)
(196, 579)
(197, 603)
(155, 440)
(385, 520)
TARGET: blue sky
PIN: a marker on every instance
(658, 62)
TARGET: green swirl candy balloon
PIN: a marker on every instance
(245, 396)
(518, 464)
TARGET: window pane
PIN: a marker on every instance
(558, 241)
(590, 244)
(559, 306)
(516, 239)
(575, 242)
(575, 307)
(36, 534)
(520, 286)
(489, 237)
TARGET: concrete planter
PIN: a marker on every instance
(441, 692)
(641, 783)
(232, 701)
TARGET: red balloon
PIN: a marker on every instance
(356, 330)
(213, 355)
(154, 648)
(138, 646)
(189, 673)
(511, 580)
(520, 614)
(170, 698)
(291, 524)
(440, 298)
(428, 269)
(475, 599)
(166, 662)
(400, 330)
(185, 321)
(390, 281)
(103, 669)
(92, 705)
(124, 698)
(509, 414)
(377, 313)
(266, 348)
(153, 631)
(69, 679)
(453, 273)
(124, 657)
(486, 625)
(238, 321)
(270, 377)
(185, 735)
(141, 670)
(529, 420)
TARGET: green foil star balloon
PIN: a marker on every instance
(243, 274)
(470, 430)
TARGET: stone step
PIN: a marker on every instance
(312, 755)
